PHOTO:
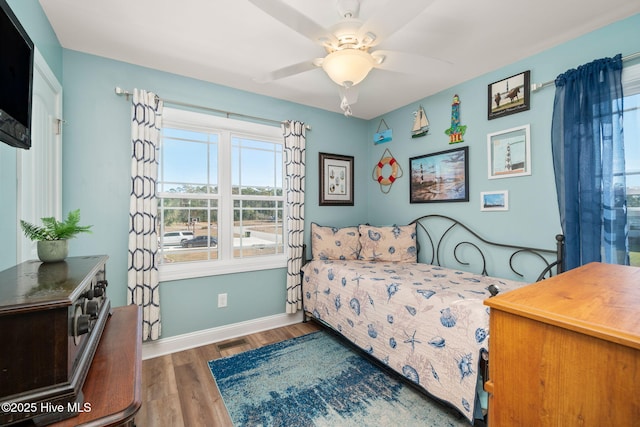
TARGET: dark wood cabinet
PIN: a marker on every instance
(51, 319)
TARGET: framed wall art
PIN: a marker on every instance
(336, 180)
(509, 96)
(509, 153)
(440, 177)
(494, 201)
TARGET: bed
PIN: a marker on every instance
(412, 297)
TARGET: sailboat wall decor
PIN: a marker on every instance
(420, 124)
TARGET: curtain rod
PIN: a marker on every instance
(121, 92)
(538, 86)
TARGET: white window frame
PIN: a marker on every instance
(631, 80)
(630, 87)
(226, 264)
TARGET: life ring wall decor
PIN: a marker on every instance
(386, 181)
(394, 171)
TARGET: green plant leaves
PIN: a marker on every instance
(53, 229)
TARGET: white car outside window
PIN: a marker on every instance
(175, 238)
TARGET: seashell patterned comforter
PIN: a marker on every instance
(426, 322)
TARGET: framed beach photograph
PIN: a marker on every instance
(494, 201)
(336, 180)
(509, 153)
(509, 96)
(440, 177)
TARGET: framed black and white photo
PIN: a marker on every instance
(494, 201)
(440, 177)
(509, 96)
(509, 153)
(336, 180)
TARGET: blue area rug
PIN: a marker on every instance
(315, 380)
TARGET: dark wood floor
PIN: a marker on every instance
(178, 389)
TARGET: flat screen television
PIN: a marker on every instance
(16, 77)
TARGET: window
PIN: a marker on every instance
(221, 202)
(631, 89)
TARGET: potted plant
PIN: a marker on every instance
(52, 237)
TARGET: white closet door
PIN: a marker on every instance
(40, 168)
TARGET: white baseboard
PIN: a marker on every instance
(196, 339)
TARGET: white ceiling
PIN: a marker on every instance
(230, 42)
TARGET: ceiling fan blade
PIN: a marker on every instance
(390, 18)
(403, 62)
(290, 70)
(295, 20)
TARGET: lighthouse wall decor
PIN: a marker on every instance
(440, 177)
(509, 153)
(456, 131)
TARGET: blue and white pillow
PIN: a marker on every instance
(388, 244)
(334, 243)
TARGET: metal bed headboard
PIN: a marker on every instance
(445, 234)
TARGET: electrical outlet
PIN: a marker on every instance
(222, 300)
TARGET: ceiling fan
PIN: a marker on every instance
(348, 43)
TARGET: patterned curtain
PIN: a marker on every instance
(294, 151)
(588, 160)
(143, 289)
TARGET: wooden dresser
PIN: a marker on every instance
(566, 351)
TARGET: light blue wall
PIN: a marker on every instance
(533, 217)
(96, 165)
(97, 153)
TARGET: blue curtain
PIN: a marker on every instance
(588, 159)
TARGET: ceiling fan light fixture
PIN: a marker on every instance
(368, 38)
(348, 66)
